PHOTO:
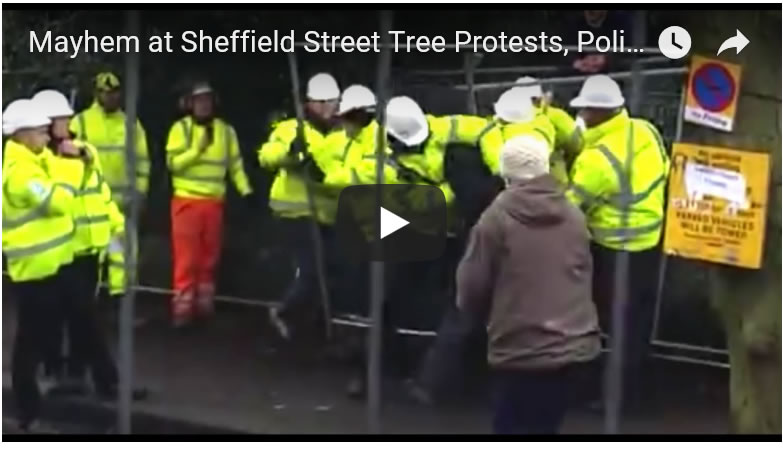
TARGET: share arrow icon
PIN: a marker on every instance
(739, 42)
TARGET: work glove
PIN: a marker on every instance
(311, 169)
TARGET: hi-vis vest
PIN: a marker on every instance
(114, 259)
(288, 194)
(96, 216)
(495, 134)
(567, 142)
(106, 132)
(619, 180)
(352, 160)
(203, 175)
(38, 228)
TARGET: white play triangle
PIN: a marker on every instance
(391, 222)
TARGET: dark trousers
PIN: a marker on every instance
(460, 346)
(639, 311)
(304, 290)
(38, 319)
(87, 345)
(394, 351)
(533, 402)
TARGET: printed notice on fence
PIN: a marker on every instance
(717, 205)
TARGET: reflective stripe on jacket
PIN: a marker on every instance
(619, 180)
(203, 175)
(106, 132)
(38, 227)
(288, 194)
(349, 160)
(96, 216)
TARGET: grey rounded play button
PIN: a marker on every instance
(407, 223)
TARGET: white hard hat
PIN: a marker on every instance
(21, 114)
(53, 103)
(524, 157)
(534, 90)
(201, 88)
(356, 97)
(599, 91)
(322, 87)
(515, 106)
(405, 121)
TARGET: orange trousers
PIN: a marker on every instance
(196, 230)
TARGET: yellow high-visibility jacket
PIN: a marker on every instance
(38, 227)
(106, 132)
(288, 194)
(96, 216)
(352, 160)
(349, 160)
(203, 175)
(496, 133)
(567, 142)
(618, 180)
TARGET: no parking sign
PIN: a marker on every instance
(713, 88)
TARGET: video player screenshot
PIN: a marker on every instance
(254, 220)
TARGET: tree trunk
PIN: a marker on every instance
(749, 301)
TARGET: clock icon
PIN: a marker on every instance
(674, 42)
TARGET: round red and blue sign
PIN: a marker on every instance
(713, 87)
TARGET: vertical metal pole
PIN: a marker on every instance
(315, 232)
(470, 66)
(664, 257)
(637, 77)
(377, 267)
(126, 307)
(613, 386)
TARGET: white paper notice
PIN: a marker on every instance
(703, 180)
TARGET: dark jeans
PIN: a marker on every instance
(639, 312)
(533, 402)
(38, 319)
(303, 290)
(87, 345)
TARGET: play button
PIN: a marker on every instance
(370, 229)
(391, 222)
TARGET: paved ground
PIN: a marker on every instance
(232, 375)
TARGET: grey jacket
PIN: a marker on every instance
(528, 271)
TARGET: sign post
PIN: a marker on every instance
(713, 88)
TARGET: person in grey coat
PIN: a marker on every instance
(527, 271)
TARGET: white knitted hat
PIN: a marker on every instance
(524, 157)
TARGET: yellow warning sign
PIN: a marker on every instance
(717, 205)
(713, 88)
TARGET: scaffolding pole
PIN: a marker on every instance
(374, 368)
(315, 232)
(126, 307)
(613, 380)
(577, 78)
(664, 257)
(470, 67)
(516, 70)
